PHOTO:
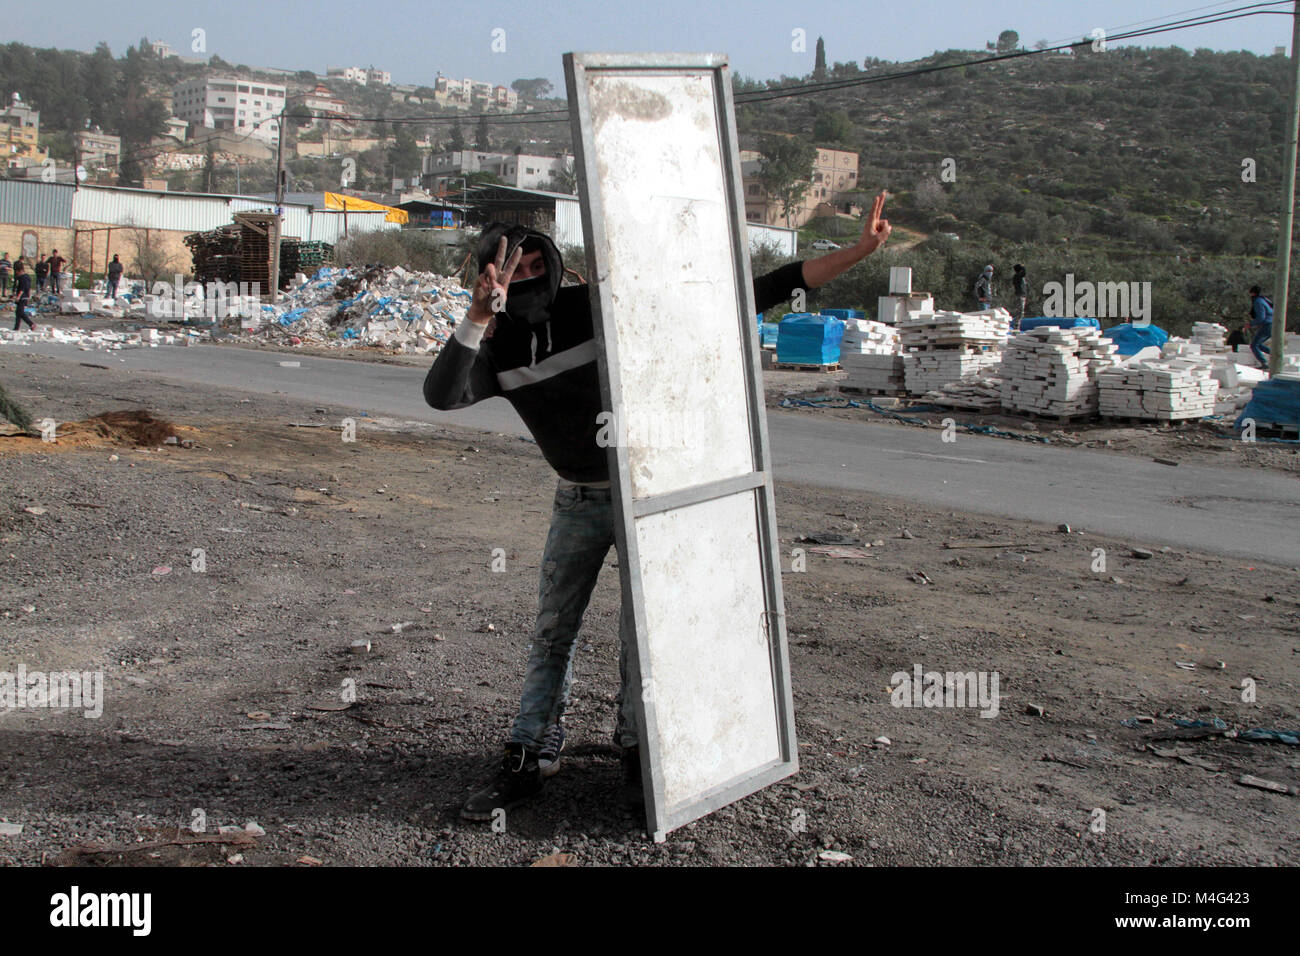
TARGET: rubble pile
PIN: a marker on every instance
(870, 352)
(1052, 371)
(389, 307)
(944, 347)
(980, 393)
(104, 339)
(1164, 390)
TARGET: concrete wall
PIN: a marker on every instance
(47, 238)
(126, 242)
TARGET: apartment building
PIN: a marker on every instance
(513, 169)
(20, 128)
(353, 74)
(834, 171)
(241, 105)
(470, 94)
(325, 106)
(97, 149)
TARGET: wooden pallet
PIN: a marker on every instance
(882, 392)
(1276, 430)
(793, 367)
(1053, 419)
(1131, 422)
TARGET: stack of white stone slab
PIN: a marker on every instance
(864, 337)
(965, 330)
(1211, 337)
(1164, 390)
(1052, 371)
(869, 352)
(944, 347)
(873, 373)
(1237, 381)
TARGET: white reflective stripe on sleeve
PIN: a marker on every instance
(548, 367)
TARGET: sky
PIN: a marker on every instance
(502, 41)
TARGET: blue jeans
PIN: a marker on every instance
(1259, 344)
(582, 532)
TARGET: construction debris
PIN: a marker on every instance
(340, 308)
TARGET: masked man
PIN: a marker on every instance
(529, 340)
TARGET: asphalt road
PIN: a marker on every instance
(1249, 513)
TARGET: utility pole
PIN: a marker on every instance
(1285, 223)
(279, 208)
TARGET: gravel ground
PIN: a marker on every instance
(222, 687)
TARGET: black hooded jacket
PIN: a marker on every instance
(547, 371)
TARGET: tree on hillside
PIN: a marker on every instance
(457, 138)
(785, 170)
(819, 64)
(534, 89)
(481, 138)
(1008, 41)
(404, 154)
(833, 126)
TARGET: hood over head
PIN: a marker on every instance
(527, 299)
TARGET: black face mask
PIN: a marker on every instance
(529, 300)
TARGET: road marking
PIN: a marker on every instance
(903, 451)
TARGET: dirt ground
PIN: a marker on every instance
(222, 686)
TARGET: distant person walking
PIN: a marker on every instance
(42, 273)
(6, 270)
(1261, 322)
(56, 267)
(114, 277)
(984, 288)
(22, 295)
(1021, 281)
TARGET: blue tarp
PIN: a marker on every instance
(769, 331)
(844, 314)
(292, 316)
(806, 339)
(1048, 321)
(1132, 339)
(1275, 402)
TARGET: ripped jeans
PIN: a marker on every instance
(582, 532)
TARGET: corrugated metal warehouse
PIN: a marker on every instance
(44, 216)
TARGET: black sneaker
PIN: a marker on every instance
(548, 758)
(518, 779)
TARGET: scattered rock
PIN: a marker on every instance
(883, 741)
(1143, 554)
(907, 535)
(834, 856)
(360, 646)
(1034, 710)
